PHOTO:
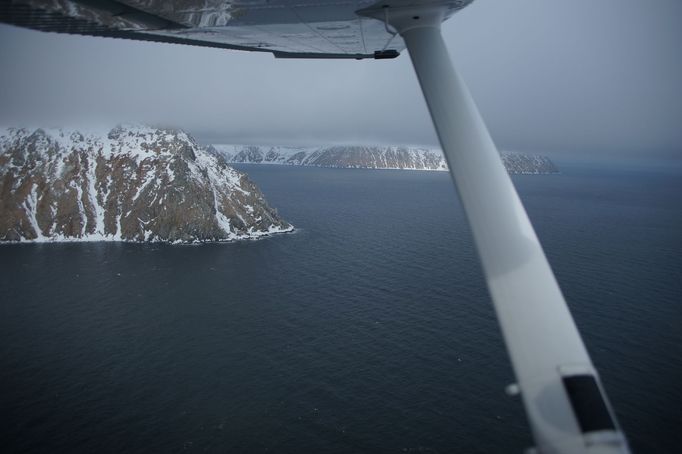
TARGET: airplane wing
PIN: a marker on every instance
(567, 409)
(285, 28)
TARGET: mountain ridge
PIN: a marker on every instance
(368, 157)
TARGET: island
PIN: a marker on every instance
(132, 183)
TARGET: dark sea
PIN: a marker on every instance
(369, 330)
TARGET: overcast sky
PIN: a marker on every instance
(549, 76)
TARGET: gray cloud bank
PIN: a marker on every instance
(564, 77)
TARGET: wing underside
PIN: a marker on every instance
(285, 28)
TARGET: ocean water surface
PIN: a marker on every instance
(369, 330)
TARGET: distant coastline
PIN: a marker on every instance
(369, 157)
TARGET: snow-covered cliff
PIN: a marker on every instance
(133, 183)
(368, 157)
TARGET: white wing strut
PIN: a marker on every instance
(561, 391)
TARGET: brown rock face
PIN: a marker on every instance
(132, 184)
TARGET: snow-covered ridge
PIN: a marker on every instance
(134, 183)
(368, 157)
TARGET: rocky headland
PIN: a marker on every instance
(133, 183)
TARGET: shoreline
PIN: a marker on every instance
(96, 238)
